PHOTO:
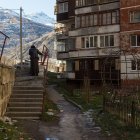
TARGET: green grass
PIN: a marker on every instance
(109, 123)
(8, 132)
(112, 124)
(47, 106)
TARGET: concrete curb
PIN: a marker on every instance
(74, 103)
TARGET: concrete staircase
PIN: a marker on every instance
(26, 102)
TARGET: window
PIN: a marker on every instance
(107, 41)
(83, 42)
(111, 40)
(63, 7)
(91, 20)
(114, 19)
(104, 19)
(83, 21)
(93, 41)
(102, 41)
(108, 18)
(135, 64)
(135, 16)
(94, 19)
(85, 2)
(135, 40)
(87, 21)
(89, 42)
(77, 22)
(91, 2)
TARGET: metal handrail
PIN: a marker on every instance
(3, 44)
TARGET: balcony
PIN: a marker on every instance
(61, 33)
(60, 37)
(94, 7)
(62, 55)
(84, 53)
(94, 30)
(61, 17)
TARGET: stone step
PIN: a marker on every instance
(27, 91)
(24, 109)
(25, 104)
(23, 114)
(28, 88)
(27, 96)
(27, 100)
(26, 118)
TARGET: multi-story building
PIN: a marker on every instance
(93, 35)
(65, 22)
(130, 39)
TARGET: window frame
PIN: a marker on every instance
(136, 40)
(108, 41)
(132, 16)
(136, 63)
(64, 8)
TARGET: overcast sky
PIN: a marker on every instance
(30, 6)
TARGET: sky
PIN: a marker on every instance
(30, 6)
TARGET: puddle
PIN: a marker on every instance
(51, 139)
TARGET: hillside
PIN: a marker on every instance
(47, 39)
(10, 25)
(42, 18)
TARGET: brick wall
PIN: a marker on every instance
(125, 20)
(128, 3)
(128, 28)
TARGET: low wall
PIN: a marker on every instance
(7, 78)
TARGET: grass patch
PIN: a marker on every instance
(49, 106)
(110, 124)
(11, 132)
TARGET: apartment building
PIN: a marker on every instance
(130, 39)
(65, 21)
(93, 32)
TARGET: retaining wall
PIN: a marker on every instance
(7, 78)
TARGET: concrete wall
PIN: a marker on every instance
(7, 78)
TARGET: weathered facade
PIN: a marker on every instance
(130, 39)
(93, 35)
(65, 22)
(7, 78)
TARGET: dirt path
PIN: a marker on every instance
(73, 124)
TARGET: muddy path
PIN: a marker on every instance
(73, 124)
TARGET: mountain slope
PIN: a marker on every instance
(47, 40)
(10, 25)
(41, 18)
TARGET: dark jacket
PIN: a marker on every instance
(33, 52)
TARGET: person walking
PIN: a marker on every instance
(34, 68)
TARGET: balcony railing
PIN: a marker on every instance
(93, 52)
(80, 3)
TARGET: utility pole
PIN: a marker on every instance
(21, 56)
